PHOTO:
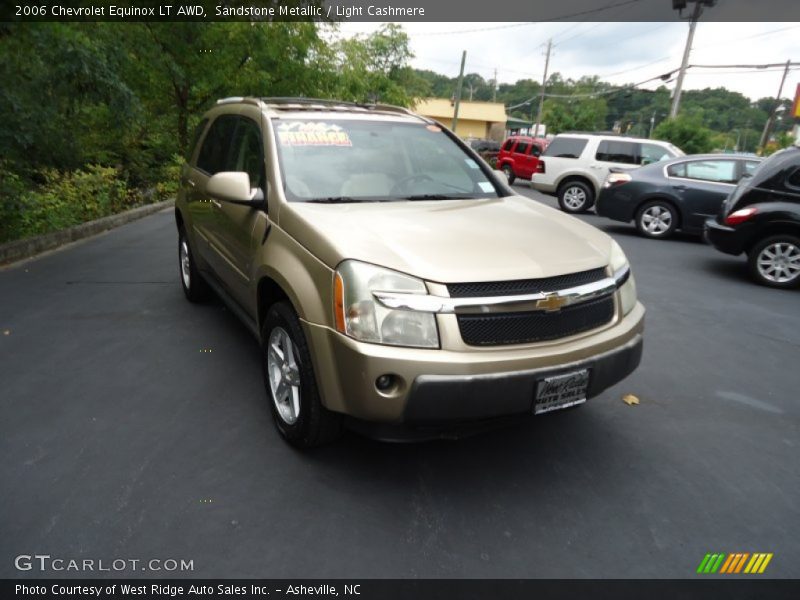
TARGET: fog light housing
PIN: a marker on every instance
(385, 382)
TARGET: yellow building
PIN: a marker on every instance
(475, 119)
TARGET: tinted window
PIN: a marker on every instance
(618, 152)
(198, 131)
(247, 152)
(651, 153)
(566, 147)
(794, 179)
(507, 145)
(521, 148)
(214, 155)
(720, 171)
(536, 150)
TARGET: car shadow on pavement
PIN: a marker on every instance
(630, 231)
(535, 451)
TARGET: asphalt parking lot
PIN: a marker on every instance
(135, 425)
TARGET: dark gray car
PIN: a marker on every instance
(675, 194)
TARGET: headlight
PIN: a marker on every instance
(362, 317)
(627, 293)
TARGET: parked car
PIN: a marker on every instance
(676, 194)
(519, 156)
(394, 282)
(487, 149)
(484, 145)
(761, 218)
(575, 165)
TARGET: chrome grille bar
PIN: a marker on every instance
(541, 301)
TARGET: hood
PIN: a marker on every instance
(450, 241)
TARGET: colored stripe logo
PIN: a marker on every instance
(736, 562)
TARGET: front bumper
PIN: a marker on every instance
(438, 398)
(468, 384)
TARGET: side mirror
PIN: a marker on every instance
(501, 175)
(234, 187)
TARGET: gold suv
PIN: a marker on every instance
(395, 282)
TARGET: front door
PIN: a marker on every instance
(235, 224)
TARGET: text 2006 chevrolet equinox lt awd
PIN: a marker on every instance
(395, 282)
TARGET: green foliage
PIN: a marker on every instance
(64, 199)
(686, 132)
(97, 115)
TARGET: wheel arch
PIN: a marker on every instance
(570, 177)
(772, 229)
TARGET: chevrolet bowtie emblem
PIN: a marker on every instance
(551, 302)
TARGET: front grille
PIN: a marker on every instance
(524, 286)
(528, 327)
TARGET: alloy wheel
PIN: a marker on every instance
(284, 375)
(779, 262)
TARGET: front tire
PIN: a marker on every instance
(194, 286)
(575, 197)
(509, 173)
(290, 383)
(775, 261)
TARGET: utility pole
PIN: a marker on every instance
(770, 120)
(494, 87)
(544, 84)
(676, 97)
(458, 91)
(652, 124)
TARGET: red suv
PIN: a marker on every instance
(519, 156)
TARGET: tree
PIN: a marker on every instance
(686, 132)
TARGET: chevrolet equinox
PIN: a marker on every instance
(395, 283)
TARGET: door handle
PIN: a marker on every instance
(680, 188)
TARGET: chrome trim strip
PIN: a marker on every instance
(540, 301)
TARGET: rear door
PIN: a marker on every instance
(528, 161)
(702, 186)
(519, 156)
(614, 153)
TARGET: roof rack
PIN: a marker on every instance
(303, 101)
(239, 99)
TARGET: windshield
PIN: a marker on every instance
(370, 160)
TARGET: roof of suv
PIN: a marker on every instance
(610, 135)
(278, 105)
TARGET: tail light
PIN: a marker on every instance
(740, 216)
(540, 166)
(615, 179)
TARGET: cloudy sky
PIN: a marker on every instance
(620, 53)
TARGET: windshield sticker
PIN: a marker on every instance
(312, 134)
(471, 163)
(486, 186)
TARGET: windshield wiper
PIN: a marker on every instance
(341, 200)
(439, 197)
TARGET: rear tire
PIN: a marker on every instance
(290, 383)
(575, 197)
(657, 220)
(194, 286)
(509, 173)
(775, 261)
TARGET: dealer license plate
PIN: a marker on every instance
(561, 391)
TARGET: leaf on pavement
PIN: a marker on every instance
(630, 399)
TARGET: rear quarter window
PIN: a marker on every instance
(566, 147)
(507, 145)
